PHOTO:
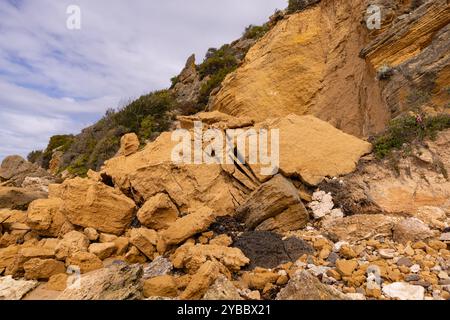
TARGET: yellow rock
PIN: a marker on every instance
(346, 267)
(298, 68)
(163, 286)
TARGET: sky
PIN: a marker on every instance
(58, 80)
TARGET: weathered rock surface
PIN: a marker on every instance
(45, 217)
(93, 204)
(308, 72)
(313, 149)
(117, 282)
(129, 144)
(14, 170)
(412, 230)
(103, 250)
(18, 198)
(221, 290)
(360, 227)
(145, 240)
(304, 286)
(84, 262)
(192, 257)
(161, 286)
(158, 212)
(186, 227)
(11, 289)
(71, 243)
(201, 281)
(43, 269)
(404, 291)
(274, 206)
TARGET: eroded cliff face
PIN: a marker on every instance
(309, 64)
(324, 61)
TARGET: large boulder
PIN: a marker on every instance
(45, 217)
(304, 286)
(313, 149)
(18, 198)
(15, 169)
(43, 269)
(151, 171)
(186, 227)
(274, 206)
(360, 227)
(93, 204)
(116, 282)
(11, 289)
(412, 230)
(71, 243)
(158, 212)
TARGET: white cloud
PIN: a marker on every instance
(53, 80)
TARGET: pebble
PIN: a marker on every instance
(412, 277)
(387, 253)
(415, 268)
(332, 258)
(404, 291)
(445, 236)
(443, 275)
(405, 262)
(338, 245)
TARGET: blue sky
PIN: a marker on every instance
(54, 80)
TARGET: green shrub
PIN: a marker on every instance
(79, 166)
(407, 129)
(214, 82)
(61, 142)
(256, 32)
(298, 5)
(35, 156)
(217, 60)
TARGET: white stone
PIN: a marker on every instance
(387, 253)
(321, 205)
(415, 268)
(11, 289)
(338, 245)
(443, 275)
(445, 236)
(404, 291)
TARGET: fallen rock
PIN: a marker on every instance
(161, 286)
(43, 269)
(360, 227)
(15, 169)
(201, 281)
(159, 212)
(222, 290)
(158, 267)
(135, 256)
(57, 282)
(93, 204)
(404, 291)
(84, 261)
(277, 201)
(45, 217)
(71, 243)
(16, 267)
(145, 240)
(18, 198)
(11, 289)
(129, 144)
(186, 227)
(346, 267)
(411, 230)
(259, 279)
(117, 282)
(322, 204)
(91, 233)
(304, 286)
(194, 256)
(103, 250)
